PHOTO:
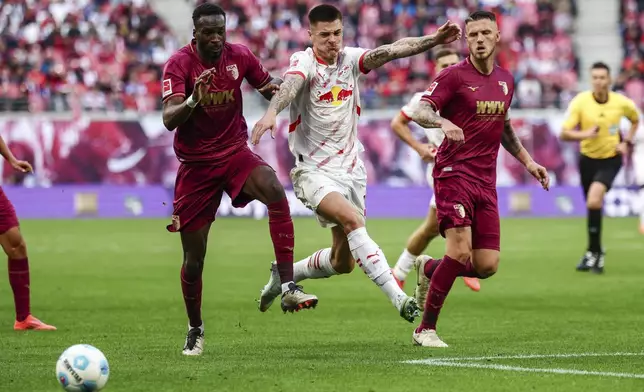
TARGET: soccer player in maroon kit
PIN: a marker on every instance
(473, 98)
(211, 144)
(15, 248)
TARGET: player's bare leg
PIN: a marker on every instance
(194, 245)
(263, 185)
(593, 259)
(366, 253)
(15, 248)
(416, 245)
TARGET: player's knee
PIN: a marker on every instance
(351, 221)
(594, 202)
(274, 191)
(15, 246)
(486, 267)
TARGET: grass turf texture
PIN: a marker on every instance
(115, 285)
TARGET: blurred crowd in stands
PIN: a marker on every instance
(107, 55)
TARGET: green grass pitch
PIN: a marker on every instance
(115, 285)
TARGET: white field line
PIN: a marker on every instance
(461, 363)
(528, 356)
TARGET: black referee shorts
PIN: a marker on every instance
(598, 170)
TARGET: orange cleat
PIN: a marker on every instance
(401, 283)
(32, 323)
(472, 283)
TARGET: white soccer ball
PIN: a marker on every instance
(82, 368)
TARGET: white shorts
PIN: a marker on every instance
(430, 182)
(638, 162)
(311, 185)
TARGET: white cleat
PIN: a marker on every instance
(422, 282)
(427, 338)
(271, 291)
(295, 299)
(194, 342)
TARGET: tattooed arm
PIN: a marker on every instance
(292, 84)
(425, 116)
(287, 93)
(510, 141)
(411, 46)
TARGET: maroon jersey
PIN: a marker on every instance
(217, 126)
(479, 105)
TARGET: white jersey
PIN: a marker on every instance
(323, 130)
(434, 135)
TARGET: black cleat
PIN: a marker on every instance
(194, 342)
(598, 268)
(587, 262)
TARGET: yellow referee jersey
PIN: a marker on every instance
(584, 111)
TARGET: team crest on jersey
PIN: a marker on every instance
(232, 71)
(460, 210)
(504, 86)
(167, 87)
(431, 88)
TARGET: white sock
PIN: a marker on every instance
(316, 266)
(191, 327)
(404, 265)
(374, 263)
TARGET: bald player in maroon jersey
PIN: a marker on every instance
(15, 248)
(211, 144)
(473, 98)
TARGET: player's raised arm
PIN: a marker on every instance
(410, 46)
(177, 109)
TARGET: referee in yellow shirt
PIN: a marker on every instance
(593, 118)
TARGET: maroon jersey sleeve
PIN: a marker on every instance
(256, 74)
(442, 90)
(174, 79)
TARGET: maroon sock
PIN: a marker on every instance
(469, 271)
(19, 281)
(281, 226)
(192, 297)
(430, 267)
(442, 280)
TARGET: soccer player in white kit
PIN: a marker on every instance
(321, 85)
(428, 230)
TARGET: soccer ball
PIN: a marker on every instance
(82, 368)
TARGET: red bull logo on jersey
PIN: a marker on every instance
(218, 98)
(336, 96)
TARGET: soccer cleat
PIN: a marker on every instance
(32, 323)
(194, 342)
(422, 281)
(427, 338)
(598, 267)
(401, 283)
(295, 299)
(472, 283)
(587, 261)
(409, 309)
(271, 290)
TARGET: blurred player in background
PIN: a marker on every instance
(473, 98)
(211, 144)
(321, 85)
(598, 114)
(15, 248)
(638, 165)
(428, 230)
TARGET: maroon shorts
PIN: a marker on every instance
(8, 217)
(461, 204)
(199, 187)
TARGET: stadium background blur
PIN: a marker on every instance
(80, 88)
